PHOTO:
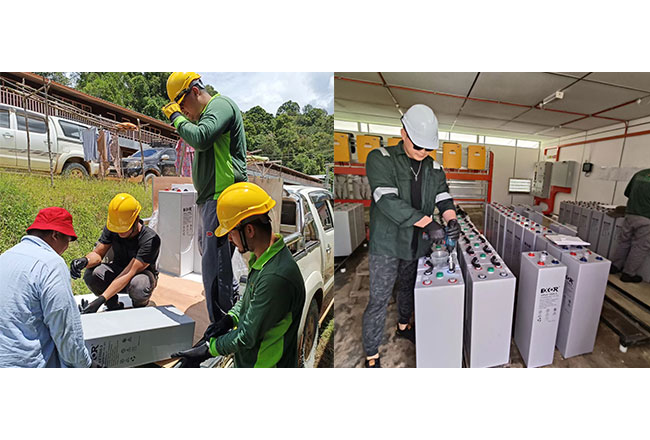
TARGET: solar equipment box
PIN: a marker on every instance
(133, 337)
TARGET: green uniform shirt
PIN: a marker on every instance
(219, 142)
(392, 214)
(638, 194)
(267, 317)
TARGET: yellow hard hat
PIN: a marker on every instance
(122, 213)
(238, 202)
(178, 84)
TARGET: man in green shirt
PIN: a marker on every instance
(214, 127)
(407, 185)
(261, 330)
(634, 238)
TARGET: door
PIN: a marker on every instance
(7, 140)
(323, 205)
(38, 143)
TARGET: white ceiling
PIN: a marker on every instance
(584, 93)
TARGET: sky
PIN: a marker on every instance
(270, 90)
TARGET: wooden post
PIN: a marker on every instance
(29, 144)
(141, 154)
(47, 127)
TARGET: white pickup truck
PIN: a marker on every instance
(307, 223)
(65, 140)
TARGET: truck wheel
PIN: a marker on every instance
(309, 339)
(148, 178)
(75, 170)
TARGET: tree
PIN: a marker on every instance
(289, 108)
(59, 77)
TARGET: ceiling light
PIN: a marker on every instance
(553, 97)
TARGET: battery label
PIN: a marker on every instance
(548, 307)
(115, 352)
(569, 293)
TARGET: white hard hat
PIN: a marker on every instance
(421, 126)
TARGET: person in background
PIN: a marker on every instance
(634, 238)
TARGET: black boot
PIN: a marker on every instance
(407, 333)
(631, 279)
(114, 304)
(614, 270)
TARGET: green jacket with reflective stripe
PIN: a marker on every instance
(638, 194)
(219, 142)
(268, 315)
(392, 215)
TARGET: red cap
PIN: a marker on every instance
(54, 219)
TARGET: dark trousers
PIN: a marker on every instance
(139, 288)
(216, 267)
(386, 274)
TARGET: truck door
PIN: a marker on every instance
(322, 203)
(7, 140)
(38, 142)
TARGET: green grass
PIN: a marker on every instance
(22, 196)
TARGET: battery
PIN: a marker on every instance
(615, 236)
(606, 233)
(558, 250)
(501, 232)
(133, 337)
(489, 306)
(595, 224)
(582, 302)
(439, 308)
(575, 215)
(583, 222)
(176, 230)
(562, 213)
(508, 240)
(541, 283)
(568, 230)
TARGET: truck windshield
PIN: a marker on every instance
(147, 153)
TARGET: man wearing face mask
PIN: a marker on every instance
(40, 324)
(214, 127)
(262, 328)
(133, 267)
(407, 185)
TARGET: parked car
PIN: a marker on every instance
(157, 162)
(65, 142)
(307, 224)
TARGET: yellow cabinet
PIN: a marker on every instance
(394, 141)
(452, 155)
(476, 157)
(343, 145)
(365, 144)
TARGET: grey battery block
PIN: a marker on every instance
(539, 299)
(582, 302)
(133, 337)
(439, 308)
(489, 307)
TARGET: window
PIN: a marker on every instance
(36, 125)
(385, 129)
(527, 144)
(4, 118)
(443, 135)
(70, 129)
(147, 153)
(323, 209)
(519, 185)
(346, 125)
(363, 127)
(500, 141)
(461, 137)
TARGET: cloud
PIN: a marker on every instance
(272, 89)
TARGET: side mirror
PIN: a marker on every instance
(165, 157)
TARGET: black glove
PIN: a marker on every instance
(76, 266)
(193, 357)
(453, 230)
(95, 364)
(91, 307)
(221, 327)
(433, 231)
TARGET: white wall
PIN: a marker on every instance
(629, 152)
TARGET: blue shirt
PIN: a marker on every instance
(40, 324)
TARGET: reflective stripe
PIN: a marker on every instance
(436, 165)
(443, 196)
(383, 190)
(384, 152)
